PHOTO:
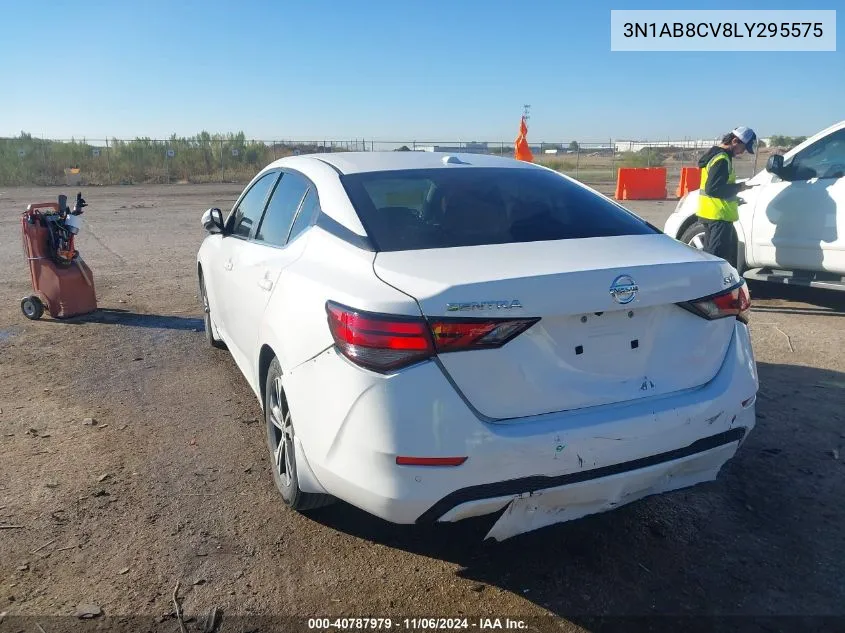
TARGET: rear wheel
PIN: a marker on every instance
(280, 442)
(32, 307)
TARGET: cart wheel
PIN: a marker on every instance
(32, 307)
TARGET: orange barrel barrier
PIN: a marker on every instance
(641, 183)
(690, 180)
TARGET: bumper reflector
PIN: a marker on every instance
(429, 461)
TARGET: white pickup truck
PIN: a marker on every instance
(791, 227)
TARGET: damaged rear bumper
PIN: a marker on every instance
(564, 465)
(536, 502)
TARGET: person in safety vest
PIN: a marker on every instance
(718, 207)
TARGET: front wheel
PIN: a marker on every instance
(206, 308)
(280, 441)
(694, 235)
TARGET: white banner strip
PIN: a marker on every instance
(746, 30)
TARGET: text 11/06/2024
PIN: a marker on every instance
(415, 624)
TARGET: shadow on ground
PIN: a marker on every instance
(133, 319)
(765, 539)
(813, 301)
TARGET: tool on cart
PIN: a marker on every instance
(61, 280)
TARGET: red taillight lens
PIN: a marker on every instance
(452, 335)
(734, 302)
(379, 342)
(384, 342)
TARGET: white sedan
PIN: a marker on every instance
(791, 227)
(434, 337)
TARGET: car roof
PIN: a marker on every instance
(362, 162)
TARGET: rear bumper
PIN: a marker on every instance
(353, 424)
(600, 482)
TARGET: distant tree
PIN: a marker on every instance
(573, 146)
(647, 157)
(404, 148)
(787, 142)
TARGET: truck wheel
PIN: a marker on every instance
(32, 307)
(694, 235)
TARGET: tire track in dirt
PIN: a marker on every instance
(89, 228)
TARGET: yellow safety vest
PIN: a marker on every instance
(717, 208)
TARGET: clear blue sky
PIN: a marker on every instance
(389, 70)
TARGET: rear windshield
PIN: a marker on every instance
(443, 208)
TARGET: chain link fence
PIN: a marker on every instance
(235, 159)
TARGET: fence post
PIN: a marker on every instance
(46, 166)
(222, 168)
(577, 159)
(612, 162)
(108, 159)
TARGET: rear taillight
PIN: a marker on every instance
(734, 302)
(379, 342)
(453, 335)
(384, 342)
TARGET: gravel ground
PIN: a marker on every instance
(171, 481)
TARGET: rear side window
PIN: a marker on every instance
(307, 214)
(444, 208)
(281, 209)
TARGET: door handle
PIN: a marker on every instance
(265, 284)
(228, 264)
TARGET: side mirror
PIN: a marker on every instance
(212, 220)
(775, 164)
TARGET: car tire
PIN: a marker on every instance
(694, 236)
(206, 316)
(280, 442)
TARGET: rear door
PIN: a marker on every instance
(262, 259)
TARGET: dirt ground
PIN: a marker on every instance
(172, 483)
